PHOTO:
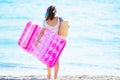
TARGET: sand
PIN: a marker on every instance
(63, 77)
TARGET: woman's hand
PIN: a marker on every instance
(36, 43)
(39, 37)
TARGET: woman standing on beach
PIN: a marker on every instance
(53, 23)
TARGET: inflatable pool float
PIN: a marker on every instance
(49, 47)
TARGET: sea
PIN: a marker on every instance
(93, 41)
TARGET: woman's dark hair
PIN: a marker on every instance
(50, 13)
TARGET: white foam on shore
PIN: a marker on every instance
(78, 71)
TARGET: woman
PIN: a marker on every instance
(53, 23)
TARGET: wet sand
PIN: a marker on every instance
(63, 77)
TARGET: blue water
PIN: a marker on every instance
(93, 41)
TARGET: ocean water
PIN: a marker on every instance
(93, 43)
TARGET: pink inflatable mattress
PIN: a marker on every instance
(49, 47)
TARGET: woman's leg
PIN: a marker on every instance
(49, 72)
(56, 69)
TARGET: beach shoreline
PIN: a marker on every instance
(61, 77)
(19, 74)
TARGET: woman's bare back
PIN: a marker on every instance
(52, 22)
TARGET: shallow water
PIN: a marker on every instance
(93, 41)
